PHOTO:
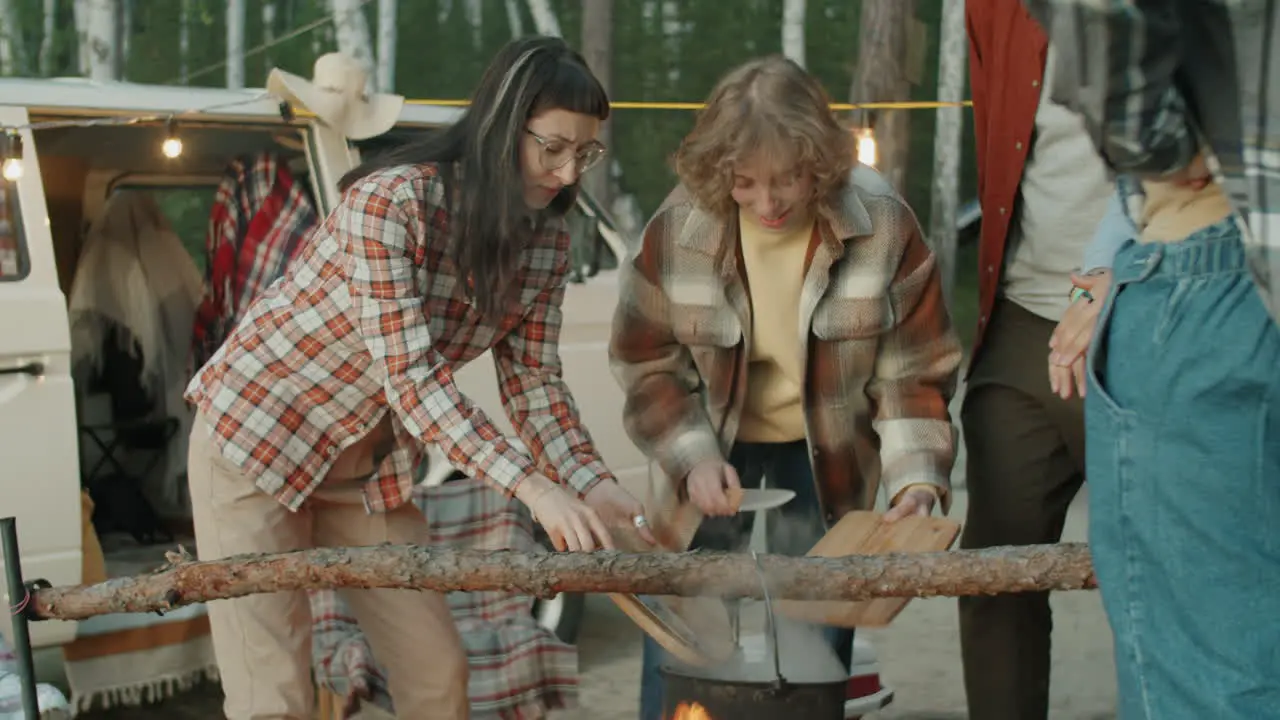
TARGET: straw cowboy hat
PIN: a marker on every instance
(337, 95)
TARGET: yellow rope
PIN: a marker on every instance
(906, 105)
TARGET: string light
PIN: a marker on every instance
(12, 166)
(11, 147)
(866, 138)
(172, 145)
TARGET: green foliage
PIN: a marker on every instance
(676, 57)
(188, 212)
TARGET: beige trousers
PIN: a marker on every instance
(263, 642)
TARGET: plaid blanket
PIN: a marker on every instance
(518, 669)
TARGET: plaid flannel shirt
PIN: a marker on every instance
(371, 319)
(1158, 80)
(880, 355)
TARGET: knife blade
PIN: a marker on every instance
(755, 499)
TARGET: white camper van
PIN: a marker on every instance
(54, 433)
(59, 177)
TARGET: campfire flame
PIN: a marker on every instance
(691, 711)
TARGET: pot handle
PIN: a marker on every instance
(771, 624)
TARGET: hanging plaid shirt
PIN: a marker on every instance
(261, 214)
(1159, 80)
(371, 319)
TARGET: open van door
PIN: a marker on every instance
(39, 467)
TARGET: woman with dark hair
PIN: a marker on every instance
(313, 414)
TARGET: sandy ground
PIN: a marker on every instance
(919, 659)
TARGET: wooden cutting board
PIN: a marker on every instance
(865, 533)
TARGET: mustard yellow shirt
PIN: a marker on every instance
(774, 259)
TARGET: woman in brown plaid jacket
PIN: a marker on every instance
(784, 319)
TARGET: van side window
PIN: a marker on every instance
(588, 252)
(13, 248)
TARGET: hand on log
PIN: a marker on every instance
(699, 573)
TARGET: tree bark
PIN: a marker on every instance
(269, 14)
(353, 35)
(881, 76)
(96, 29)
(11, 50)
(474, 12)
(235, 44)
(793, 40)
(514, 19)
(386, 73)
(597, 48)
(544, 17)
(184, 41)
(729, 575)
(49, 26)
(953, 54)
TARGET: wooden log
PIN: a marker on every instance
(699, 573)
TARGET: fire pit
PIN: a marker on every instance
(749, 688)
(692, 695)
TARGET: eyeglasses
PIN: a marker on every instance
(555, 154)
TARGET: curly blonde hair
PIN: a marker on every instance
(768, 105)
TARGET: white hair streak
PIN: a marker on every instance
(487, 124)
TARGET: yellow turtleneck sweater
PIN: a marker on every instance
(774, 259)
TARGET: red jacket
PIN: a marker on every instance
(1006, 65)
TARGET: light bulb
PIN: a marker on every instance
(12, 169)
(11, 151)
(867, 147)
(171, 147)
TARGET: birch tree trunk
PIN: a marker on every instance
(514, 19)
(881, 76)
(952, 56)
(475, 20)
(672, 37)
(386, 71)
(124, 31)
(793, 42)
(11, 51)
(96, 29)
(597, 48)
(235, 44)
(544, 18)
(353, 33)
(184, 41)
(49, 27)
(625, 209)
(80, 16)
(268, 29)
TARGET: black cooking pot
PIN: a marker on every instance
(750, 690)
(748, 700)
